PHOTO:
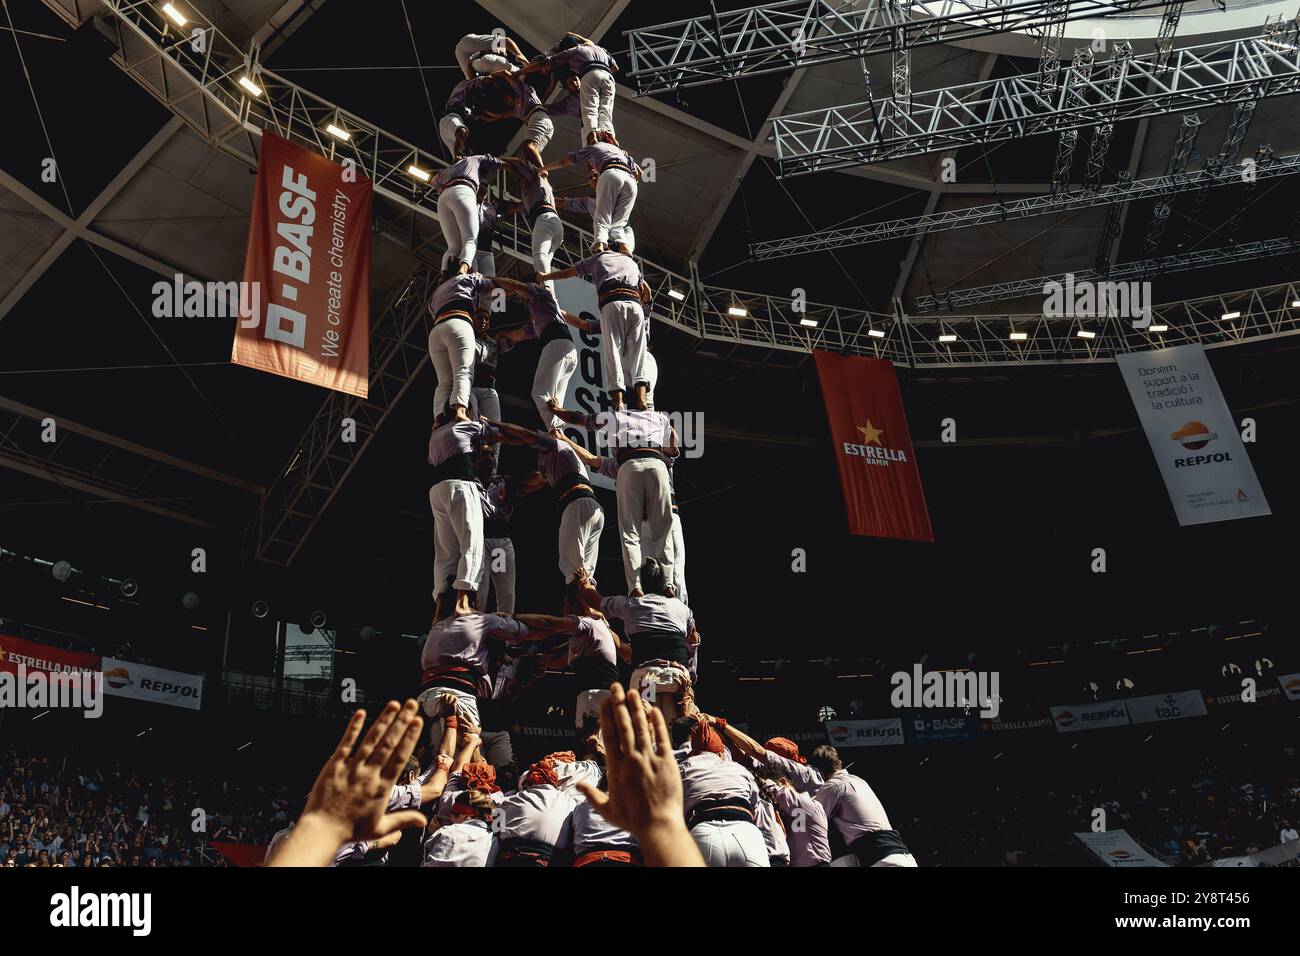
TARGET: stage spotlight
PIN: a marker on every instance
(1018, 336)
(129, 588)
(825, 713)
(737, 311)
(252, 88)
(368, 634)
(1085, 334)
(318, 619)
(260, 609)
(808, 323)
(1158, 328)
(174, 15)
(61, 570)
(677, 294)
(338, 132)
(1296, 304)
(1262, 666)
(947, 337)
(190, 601)
(418, 173)
(1124, 686)
(876, 333)
(1229, 670)
(1229, 316)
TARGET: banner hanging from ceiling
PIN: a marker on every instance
(305, 306)
(1192, 435)
(878, 472)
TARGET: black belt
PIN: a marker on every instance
(496, 527)
(536, 212)
(485, 379)
(557, 331)
(643, 451)
(458, 308)
(594, 673)
(619, 292)
(617, 164)
(872, 847)
(720, 809)
(460, 181)
(594, 65)
(521, 851)
(459, 467)
(660, 646)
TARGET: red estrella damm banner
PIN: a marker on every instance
(308, 263)
(43, 657)
(882, 485)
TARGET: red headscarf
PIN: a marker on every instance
(481, 776)
(544, 771)
(705, 739)
(786, 748)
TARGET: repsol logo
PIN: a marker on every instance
(1193, 460)
(1103, 715)
(162, 687)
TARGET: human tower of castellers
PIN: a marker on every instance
(746, 803)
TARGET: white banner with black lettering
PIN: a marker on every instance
(1193, 435)
(865, 733)
(1069, 718)
(1182, 703)
(586, 391)
(1117, 848)
(142, 682)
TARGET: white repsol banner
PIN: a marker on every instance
(586, 391)
(865, 733)
(129, 679)
(1182, 703)
(1117, 848)
(1106, 713)
(1192, 434)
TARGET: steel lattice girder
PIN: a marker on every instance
(1016, 209)
(1140, 269)
(775, 37)
(1014, 107)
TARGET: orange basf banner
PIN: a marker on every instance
(306, 314)
(882, 485)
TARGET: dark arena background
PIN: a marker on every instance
(901, 181)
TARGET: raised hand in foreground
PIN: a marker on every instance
(350, 797)
(645, 786)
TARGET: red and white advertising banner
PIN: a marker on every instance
(307, 314)
(887, 732)
(882, 486)
(129, 679)
(43, 658)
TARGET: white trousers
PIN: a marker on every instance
(499, 573)
(489, 406)
(457, 534)
(434, 710)
(651, 366)
(580, 528)
(676, 548)
(555, 366)
(893, 859)
(615, 197)
(642, 486)
(447, 127)
(496, 747)
(624, 327)
(730, 843)
(451, 350)
(597, 91)
(485, 262)
(548, 235)
(539, 128)
(458, 217)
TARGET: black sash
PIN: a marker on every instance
(720, 808)
(457, 467)
(659, 646)
(594, 673)
(556, 332)
(521, 851)
(871, 848)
